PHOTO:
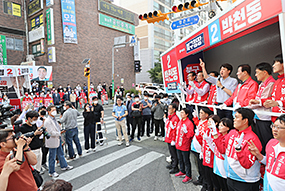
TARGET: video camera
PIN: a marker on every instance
(18, 133)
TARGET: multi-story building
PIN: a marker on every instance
(154, 38)
(62, 33)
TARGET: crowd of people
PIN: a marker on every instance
(237, 150)
(234, 150)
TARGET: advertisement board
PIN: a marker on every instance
(116, 11)
(50, 26)
(37, 34)
(34, 7)
(69, 21)
(3, 51)
(37, 22)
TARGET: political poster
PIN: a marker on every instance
(41, 73)
(69, 21)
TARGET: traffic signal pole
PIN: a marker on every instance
(113, 65)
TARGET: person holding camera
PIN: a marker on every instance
(22, 178)
(89, 128)
(36, 144)
(158, 113)
(54, 142)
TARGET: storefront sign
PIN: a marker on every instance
(37, 22)
(170, 72)
(50, 26)
(34, 7)
(51, 54)
(12, 8)
(37, 34)
(116, 11)
(37, 50)
(116, 24)
(3, 51)
(49, 2)
(68, 21)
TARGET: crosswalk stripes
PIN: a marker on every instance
(116, 175)
(104, 157)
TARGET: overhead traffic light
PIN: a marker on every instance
(87, 71)
(154, 16)
(187, 6)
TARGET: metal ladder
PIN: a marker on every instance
(103, 131)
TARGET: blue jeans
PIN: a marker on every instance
(72, 135)
(60, 155)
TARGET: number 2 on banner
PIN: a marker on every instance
(168, 61)
(9, 71)
(214, 32)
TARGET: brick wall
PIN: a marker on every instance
(94, 42)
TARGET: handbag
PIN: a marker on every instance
(38, 178)
(136, 113)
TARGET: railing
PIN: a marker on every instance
(215, 107)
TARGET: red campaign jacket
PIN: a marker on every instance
(244, 93)
(183, 140)
(191, 97)
(242, 166)
(275, 167)
(61, 94)
(212, 96)
(197, 98)
(208, 154)
(170, 133)
(278, 94)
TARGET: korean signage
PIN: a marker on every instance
(3, 51)
(185, 22)
(37, 22)
(51, 54)
(34, 7)
(50, 26)
(170, 72)
(247, 14)
(38, 49)
(49, 2)
(11, 71)
(116, 11)
(195, 43)
(12, 8)
(116, 24)
(69, 21)
(37, 34)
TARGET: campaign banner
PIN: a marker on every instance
(50, 26)
(14, 90)
(170, 72)
(247, 14)
(41, 73)
(68, 21)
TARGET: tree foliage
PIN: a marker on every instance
(155, 73)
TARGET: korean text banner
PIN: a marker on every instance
(41, 73)
(170, 72)
(69, 21)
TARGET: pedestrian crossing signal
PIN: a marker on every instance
(138, 66)
(87, 71)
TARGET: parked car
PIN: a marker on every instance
(153, 89)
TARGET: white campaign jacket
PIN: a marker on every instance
(54, 140)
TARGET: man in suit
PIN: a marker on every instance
(42, 72)
(56, 98)
(12, 91)
(129, 103)
(54, 142)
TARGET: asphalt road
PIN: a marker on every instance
(140, 167)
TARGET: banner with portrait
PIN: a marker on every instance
(40, 73)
